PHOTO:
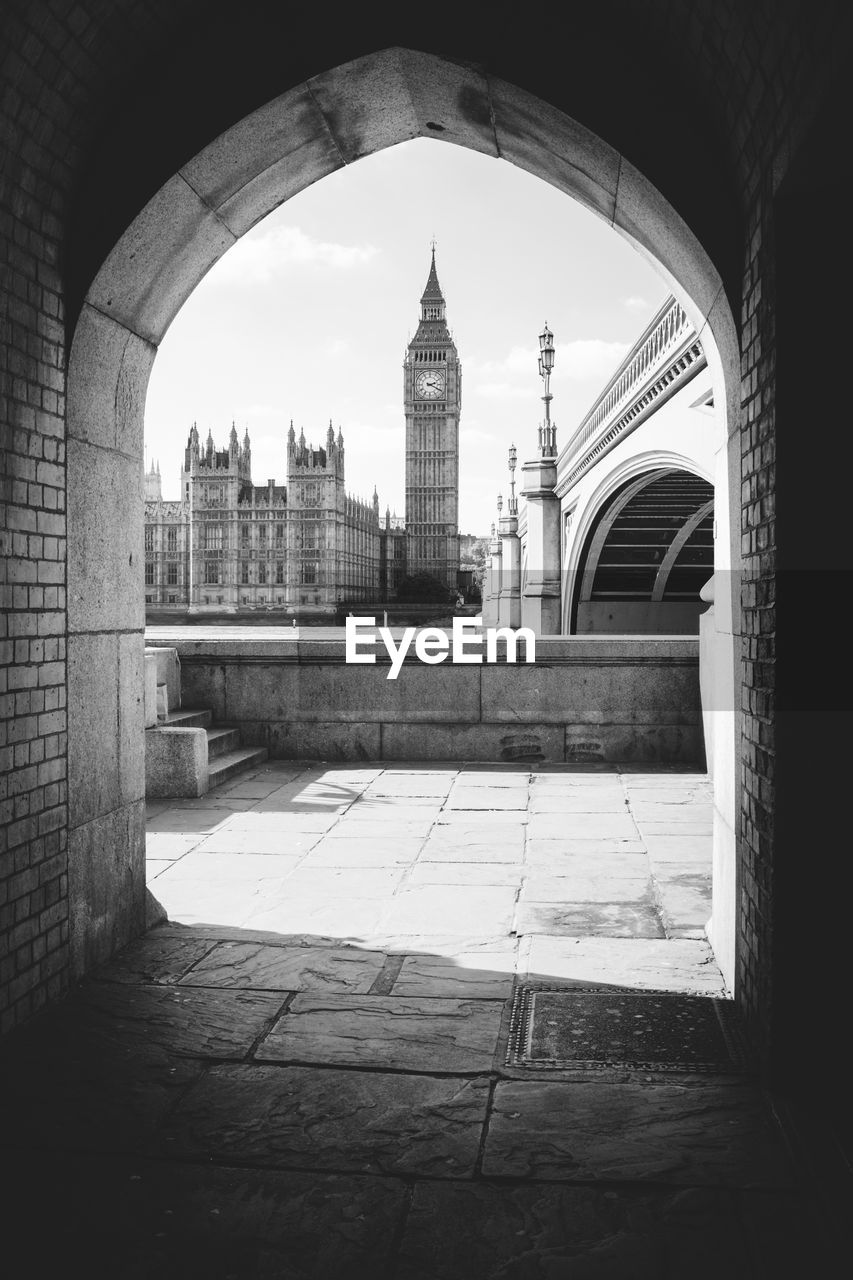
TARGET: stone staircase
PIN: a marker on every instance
(186, 753)
(226, 756)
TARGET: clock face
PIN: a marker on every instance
(429, 385)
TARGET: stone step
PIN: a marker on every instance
(188, 718)
(221, 738)
(224, 767)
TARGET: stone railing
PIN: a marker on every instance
(666, 355)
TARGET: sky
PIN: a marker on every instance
(307, 318)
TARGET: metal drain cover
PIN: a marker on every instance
(594, 1026)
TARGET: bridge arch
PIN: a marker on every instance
(165, 248)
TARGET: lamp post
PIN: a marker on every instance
(513, 500)
(547, 431)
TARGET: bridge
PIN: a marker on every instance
(615, 534)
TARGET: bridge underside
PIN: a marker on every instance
(647, 557)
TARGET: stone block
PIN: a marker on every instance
(549, 144)
(150, 701)
(108, 375)
(306, 692)
(203, 685)
(159, 260)
(176, 762)
(619, 693)
(454, 741)
(168, 666)
(131, 716)
(323, 740)
(285, 142)
(106, 885)
(366, 104)
(105, 540)
(94, 755)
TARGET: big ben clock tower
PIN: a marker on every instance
(432, 394)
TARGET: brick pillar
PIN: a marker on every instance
(540, 606)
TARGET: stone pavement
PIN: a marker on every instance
(302, 1072)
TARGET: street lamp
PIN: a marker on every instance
(547, 431)
(513, 500)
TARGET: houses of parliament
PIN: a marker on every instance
(230, 544)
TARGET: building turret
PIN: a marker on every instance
(233, 445)
(153, 484)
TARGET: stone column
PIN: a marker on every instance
(492, 582)
(540, 608)
(509, 596)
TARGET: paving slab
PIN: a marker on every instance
(401, 784)
(370, 825)
(487, 777)
(344, 882)
(101, 1073)
(346, 850)
(684, 902)
(690, 811)
(459, 853)
(265, 842)
(567, 888)
(466, 873)
(169, 845)
(681, 965)
(462, 1231)
(189, 819)
(672, 828)
(155, 867)
(275, 968)
(158, 957)
(382, 1032)
(354, 920)
(472, 974)
(240, 867)
(213, 901)
(680, 848)
(492, 798)
(589, 919)
(482, 819)
(323, 1119)
(597, 801)
(544, 847)
(486, 909)
(712, 1133)
(543, 862)
(583, 826)
(284, 820)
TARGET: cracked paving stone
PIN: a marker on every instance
(477, 1231)
(589, 919)
(249, 964)
(476, 974)
(386, 1031)
(313, 1118)
(699, 1134)
(155, 958)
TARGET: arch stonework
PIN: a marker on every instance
(262, 160)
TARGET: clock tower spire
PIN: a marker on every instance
(432, 396)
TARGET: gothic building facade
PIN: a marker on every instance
(230, 544)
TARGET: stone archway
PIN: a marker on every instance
(262, 160)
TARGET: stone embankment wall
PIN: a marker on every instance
(604, 698)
